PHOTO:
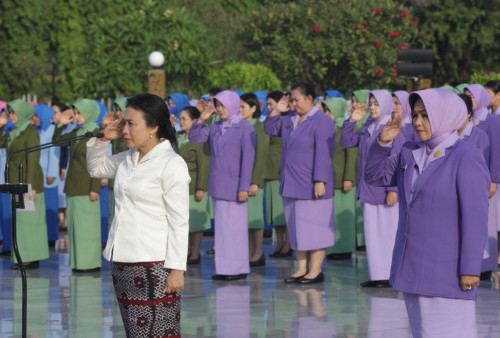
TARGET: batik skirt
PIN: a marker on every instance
(146, 311)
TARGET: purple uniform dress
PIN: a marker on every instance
(306, 159)
(380, 220)
(443, 225)
(490, 124)
(232, 144)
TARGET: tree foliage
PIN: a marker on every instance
(335, 44)
(246, 77)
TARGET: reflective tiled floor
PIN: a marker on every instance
(63, 304)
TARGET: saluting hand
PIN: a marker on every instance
(390, 131)
(319, 189)
(114, 129)
(175, 281)
(282, 106)
(358, 113)
(66, 117)
(4, 118)
(207, 112)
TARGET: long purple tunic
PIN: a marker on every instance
(442, 226)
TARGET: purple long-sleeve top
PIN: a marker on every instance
(491, 126)
(442, 226)
(232, 157)
(367, 193)
(478, 138)
(307, 153)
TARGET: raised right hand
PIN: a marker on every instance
(390, 131)
(358, 113)
(207, 112)
(282, 106)
(4, 118)
(66, 117)
(114, 130)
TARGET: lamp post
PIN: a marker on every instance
(156, 77)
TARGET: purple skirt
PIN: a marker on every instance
(310, 223)
(231, 237)
(381, 224)
(441, 317)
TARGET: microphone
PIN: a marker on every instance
(41, 147)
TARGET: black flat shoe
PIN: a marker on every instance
(291, 279)
(210, 252)
(29, 266)
(339, 256)
(260, 262)
(194, 261)
(229, 277)
(285, 254)
(485, 275)
(318, 279)
(375, 284)
(274, 254)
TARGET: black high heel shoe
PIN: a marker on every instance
(260, 262)
(27, 266)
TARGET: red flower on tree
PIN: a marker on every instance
(415, 22)
(378, 71)
(377, 10)
(393, 34)
(316, 29)
(394, 74)
(404, 13)
(377, 43)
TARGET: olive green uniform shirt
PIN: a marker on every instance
(32, 172)
(78, 180)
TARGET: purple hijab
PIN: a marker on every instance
(386, 105)
(482, 98)
(231, 101)
(446, 110)
(403, 96)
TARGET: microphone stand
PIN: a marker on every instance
(16, 192)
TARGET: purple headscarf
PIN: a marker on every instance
(482, 98)
(403, 96)
(446, 110)
(231, 101)
(386, 105)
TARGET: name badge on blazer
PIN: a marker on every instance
(404, 166)
(289, 126)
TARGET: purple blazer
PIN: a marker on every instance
(442, 230)
(480, 140)
(367, 193)
(232, 157)
(491, 126)
(307, 154)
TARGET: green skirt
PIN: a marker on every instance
(345, 226)
(274, 204)
(360, 225)
(199, 213)
(84, 232)
(32, 233)
(256, 210)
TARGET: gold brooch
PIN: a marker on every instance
(437, 154)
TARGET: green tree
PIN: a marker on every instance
(246, 77)
(465, 34)
(346, 45)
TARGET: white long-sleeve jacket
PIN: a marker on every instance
(151, 220)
